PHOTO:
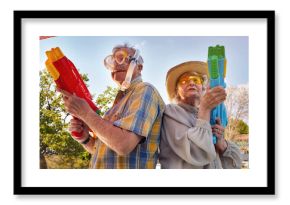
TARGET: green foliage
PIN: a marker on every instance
(105, 100)
(237, 131)
(242, 127)
(55, 140)
(54, 137)
(85, 78)
(236, 127)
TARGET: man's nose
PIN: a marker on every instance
(119, 67)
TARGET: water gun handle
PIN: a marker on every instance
(77, 134)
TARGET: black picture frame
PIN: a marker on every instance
(19, 189)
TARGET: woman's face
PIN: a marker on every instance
(189, 87)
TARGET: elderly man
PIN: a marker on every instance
(129, 134)
(186, 135)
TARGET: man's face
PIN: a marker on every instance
(189, 86)
(120, 70)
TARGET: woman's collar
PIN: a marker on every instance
(188, 107)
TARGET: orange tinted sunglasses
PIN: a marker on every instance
(186, 80)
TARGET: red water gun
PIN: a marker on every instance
(67, 78)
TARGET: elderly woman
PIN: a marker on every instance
(186, 134)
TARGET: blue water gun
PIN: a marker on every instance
(217, 72)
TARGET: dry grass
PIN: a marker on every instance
(64, 162)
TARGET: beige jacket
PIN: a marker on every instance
(186, 142)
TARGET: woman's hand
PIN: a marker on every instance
(218, 131)
(212, 98)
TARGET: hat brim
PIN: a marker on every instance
(174, 73)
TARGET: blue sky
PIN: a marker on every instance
(160, 53)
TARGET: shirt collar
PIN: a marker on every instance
(133, 84)
(189, 108)
(121, 93)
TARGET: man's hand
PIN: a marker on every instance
(77, 125)
(76, 106)
(218, 131)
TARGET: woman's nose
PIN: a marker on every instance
(191, 82)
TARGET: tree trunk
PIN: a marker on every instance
(43, 164)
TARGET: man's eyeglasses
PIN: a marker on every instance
(119, 57)
(186, 80)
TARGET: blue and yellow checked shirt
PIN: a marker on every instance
(140, 111)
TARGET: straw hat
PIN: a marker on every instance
(174, 73)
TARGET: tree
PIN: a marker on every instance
(105, 100)
(243, 128)
(237, 104)
(54, 137)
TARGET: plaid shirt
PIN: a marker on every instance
(140, 111)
